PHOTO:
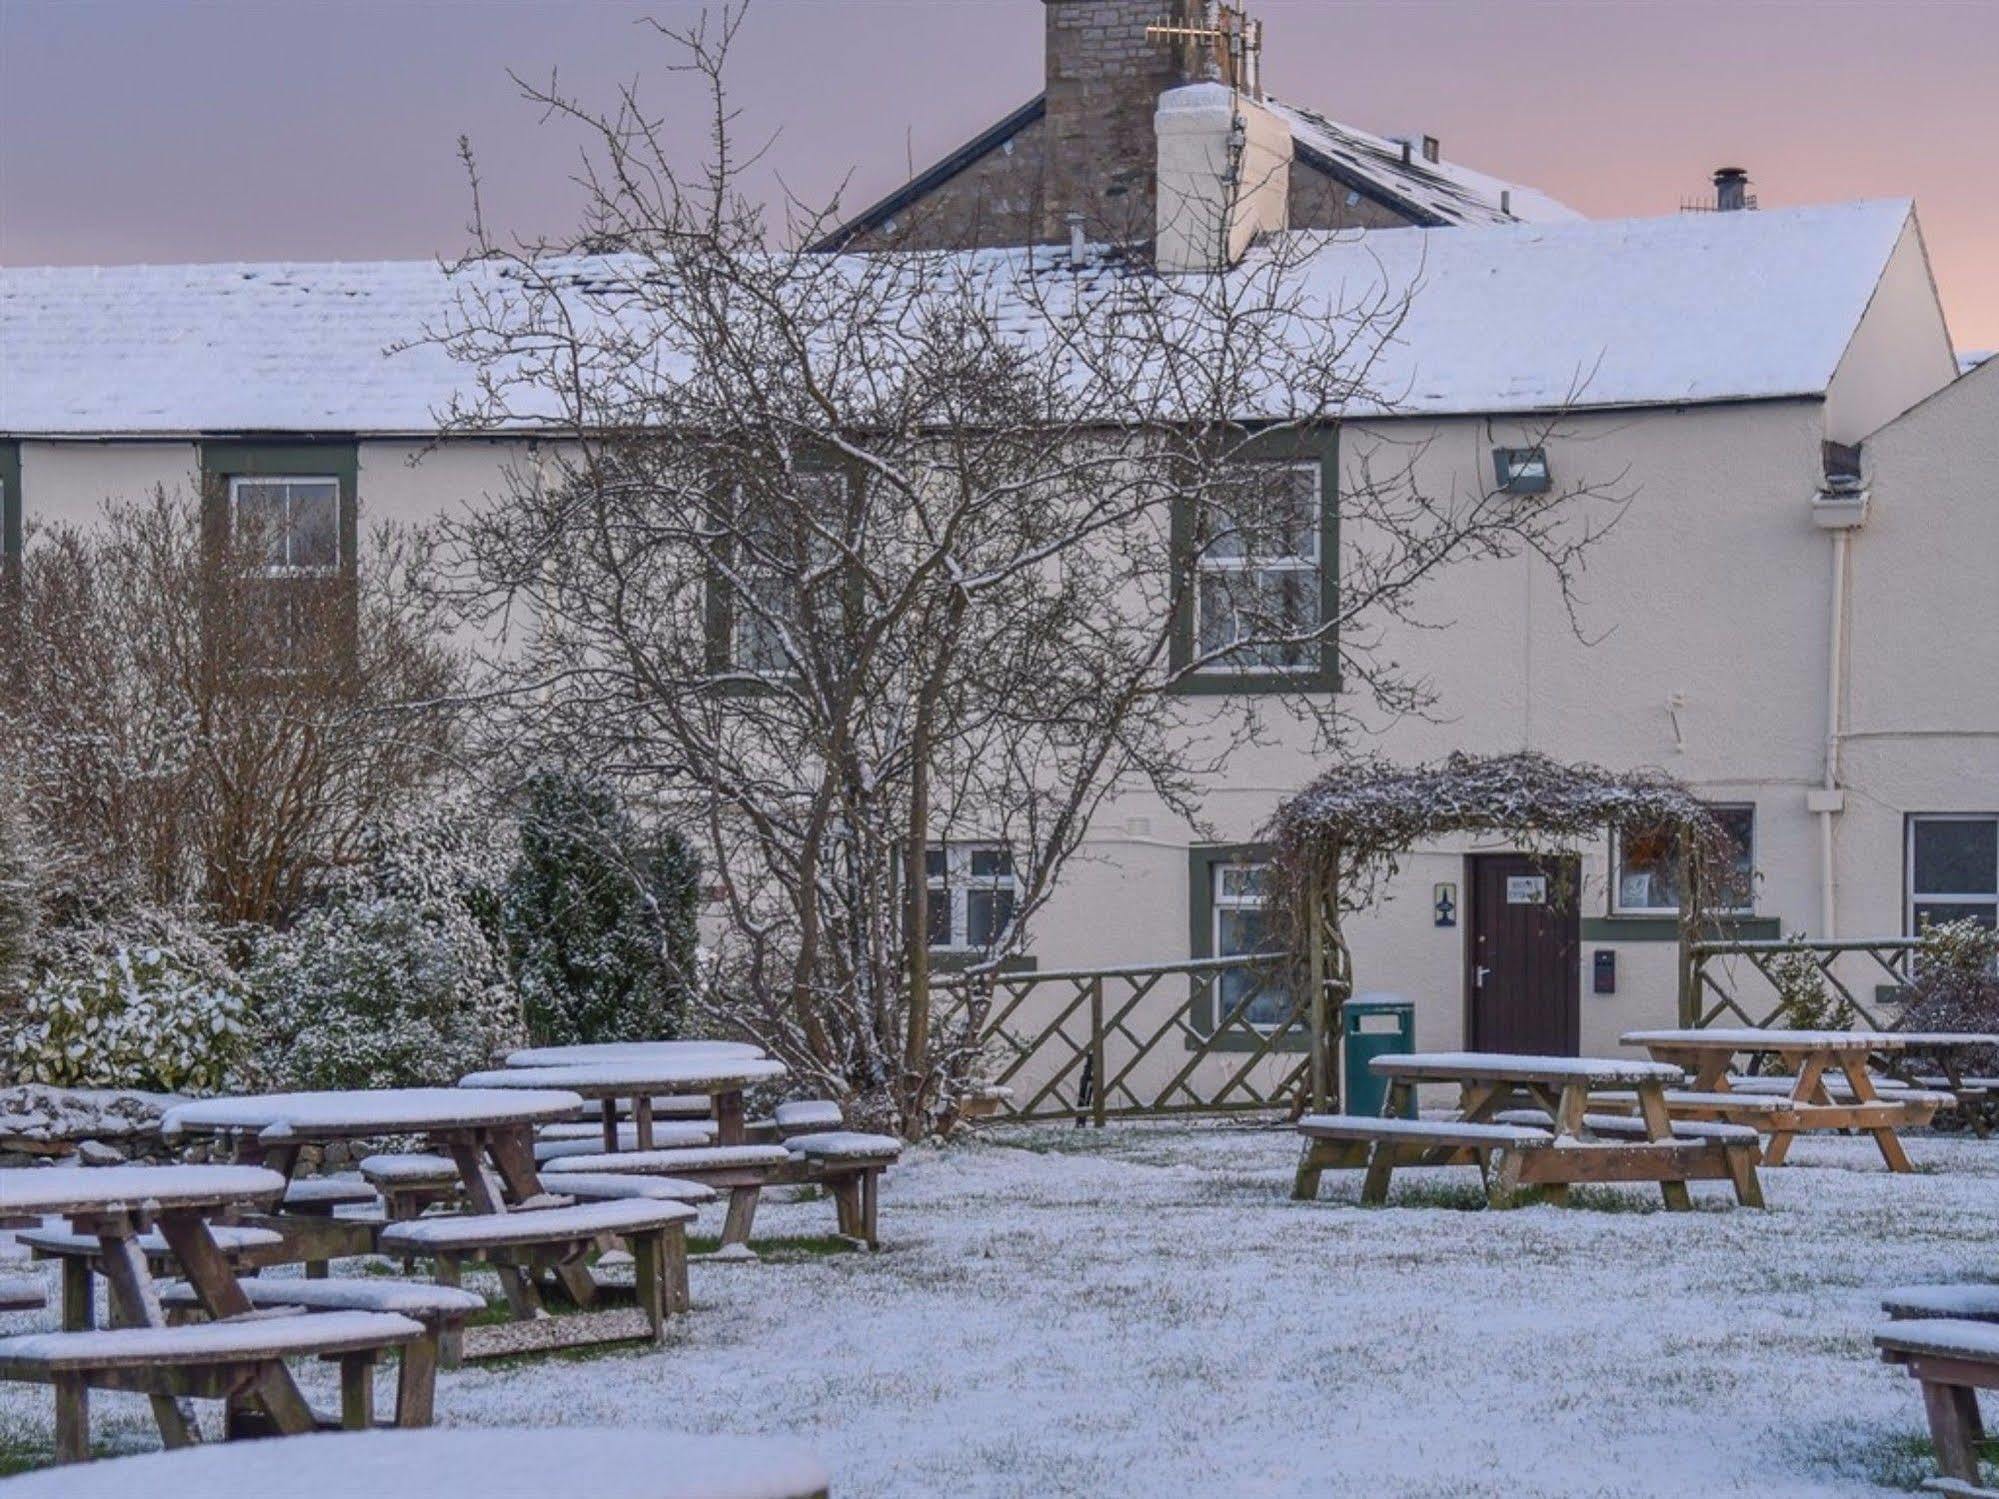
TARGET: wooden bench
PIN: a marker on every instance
(213, 1361)
(1339, 1141)
(741, 1170)
(411, 1183)
(678, 1135)
(1972, 1303)
(806, 1116)
(442, 1312)
(82, 1259)
(654, 1230)
(22, 1293)
(1741, 1145)
(850, 1166)
(1697, 1105)
(1953, 1360)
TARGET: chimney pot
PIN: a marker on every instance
(1731, 189)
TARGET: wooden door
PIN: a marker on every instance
(1523, 986)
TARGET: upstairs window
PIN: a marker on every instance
(1953, 865)
(972, 892)
(291, 524)
(1648, 868)
(774, 558)
(1259, 573)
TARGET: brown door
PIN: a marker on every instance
(1522, 985)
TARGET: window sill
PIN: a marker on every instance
(943, 961)
(1291, 1043)
(1252, 684)
(1667, 928)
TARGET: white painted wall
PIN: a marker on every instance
(1899, 353)
(1922, 717)
(67, 483)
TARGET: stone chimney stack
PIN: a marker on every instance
(1104, 79)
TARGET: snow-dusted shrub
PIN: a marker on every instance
(133, 1016)
(599, 918)
(397, 978)
(20, 894)
(1805, 1001)
(1955, 980)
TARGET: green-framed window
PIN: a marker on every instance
(295, 507)
(1276, 574)
(298, 503)
(1227, 886)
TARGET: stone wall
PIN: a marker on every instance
(995, 201)
(1319, 201)
(1104, 78)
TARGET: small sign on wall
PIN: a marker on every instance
(1527, 890)
(1444, 901)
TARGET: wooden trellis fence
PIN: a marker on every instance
(1143, 1041)
(1733, 983)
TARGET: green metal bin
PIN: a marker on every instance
(1374, 1025)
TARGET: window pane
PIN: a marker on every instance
(1957, 856)
(1255, 605)
(987, 915)
(1737, 890)
(1648, 871)
(314, 524)
(1936, 913)
(1241, 882)
(992, 863)
(1266, 511)
(933, 866)
(940, 919)
(260, 520)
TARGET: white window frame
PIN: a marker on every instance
(958, 883)
(1219, 900)
(289, 570)
(1619, 908)
(1314, 564)
(1911, 896)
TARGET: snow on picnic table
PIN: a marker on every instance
(1143, 1311)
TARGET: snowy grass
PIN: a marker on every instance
(1143, 1311)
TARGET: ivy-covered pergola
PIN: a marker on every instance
(1336, 843)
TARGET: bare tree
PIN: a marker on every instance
(854, 559)
(196, 727)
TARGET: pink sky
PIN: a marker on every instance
(235, 130)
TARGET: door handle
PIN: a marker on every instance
(1478, 976)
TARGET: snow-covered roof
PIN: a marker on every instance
(1438, 192)
(1518, 317)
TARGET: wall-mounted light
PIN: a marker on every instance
(1521, 470)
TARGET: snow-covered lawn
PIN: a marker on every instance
(1143, 1311)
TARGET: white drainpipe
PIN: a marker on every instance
(1840, 508)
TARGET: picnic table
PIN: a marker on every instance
(487, 1133)
(1559, 1143)
(115, 1204)
(626, 1051)
(1815, 1058)
(1923, 1058)
(638, 1077)
(458, 1463)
